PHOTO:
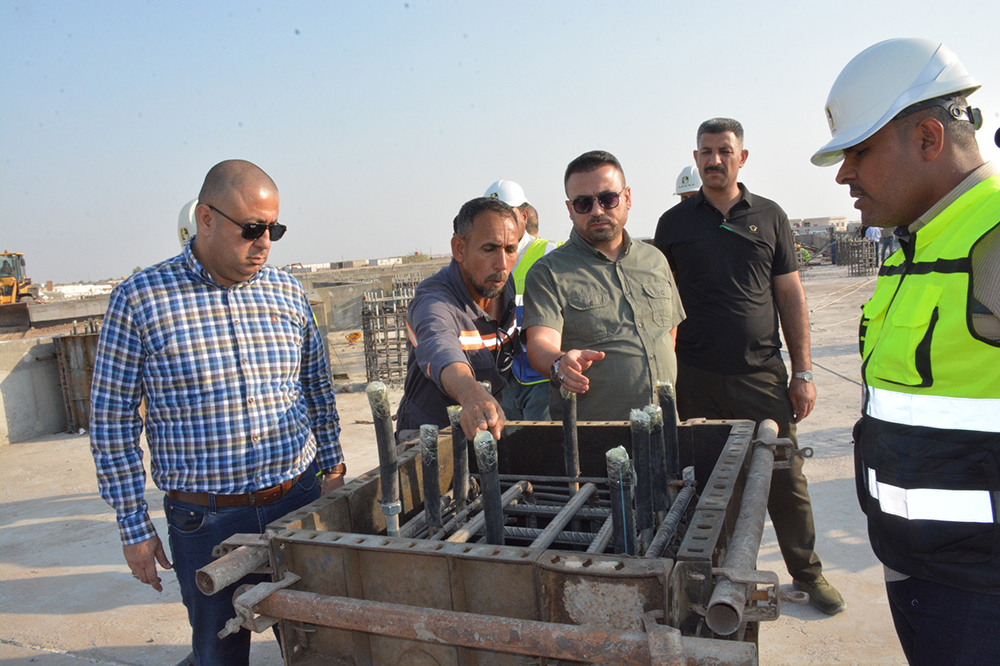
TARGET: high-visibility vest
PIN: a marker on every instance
(928, 455)
(537, 249)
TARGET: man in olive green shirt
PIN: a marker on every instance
(601, 311)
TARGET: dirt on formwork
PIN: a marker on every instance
(66, 595)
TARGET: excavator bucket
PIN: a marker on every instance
(14, 318)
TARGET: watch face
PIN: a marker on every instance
(807, 375)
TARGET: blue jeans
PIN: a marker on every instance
(526, 402)
(938, 624)
(194, 530)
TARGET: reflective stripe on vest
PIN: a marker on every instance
(956, 506)
(472, 340)
(932, 411)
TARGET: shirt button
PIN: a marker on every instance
(245, 361)
(236, 322)
(256, 438)
(249, 401)
(639, 324)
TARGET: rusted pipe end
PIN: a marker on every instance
(378, 398)
(640, 421)
(428, 442)
(655, 413)
(767, 431)
(485, 446)
(723, 618)
(454, 414)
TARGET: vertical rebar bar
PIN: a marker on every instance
(639, 421)
(668, 403)
(486, 457)
(620, 482)
(460, 457)
(571, 442)
(658, 462)
(432, 481)
(378, 398)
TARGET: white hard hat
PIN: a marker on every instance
(506, 191)
(883, 80)
(187, 225)
(689, 180)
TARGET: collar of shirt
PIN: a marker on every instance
(978, 175)
(745, 197)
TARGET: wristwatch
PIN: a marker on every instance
(554, 372)
(805, 375)
(339, 468)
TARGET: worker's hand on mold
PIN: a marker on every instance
(570, 367)
(480, 410)
(142, 558)
(802, 395)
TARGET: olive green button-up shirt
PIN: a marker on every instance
(625, 308)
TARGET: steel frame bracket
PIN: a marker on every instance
(665, 646)
(785, 451)
(244, 601)
(770, 595)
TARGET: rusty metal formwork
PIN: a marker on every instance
(345, 592)
(76, 353)
(383, 322)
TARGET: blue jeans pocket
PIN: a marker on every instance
(186, 519)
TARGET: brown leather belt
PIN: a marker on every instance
(258, 498)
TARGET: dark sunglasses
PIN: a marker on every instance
(254, 230)
(608, 200)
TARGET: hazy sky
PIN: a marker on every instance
(378, 120)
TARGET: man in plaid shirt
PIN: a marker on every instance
(240, 411)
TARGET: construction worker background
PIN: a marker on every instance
(688, 182)
(527, 396)
(927, 448)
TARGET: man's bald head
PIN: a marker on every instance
(235, 176)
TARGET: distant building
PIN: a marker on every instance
(811, 225)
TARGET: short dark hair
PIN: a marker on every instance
(720, 126)
(592, 161)
(959, 131)
(471, 209)
(532, 225)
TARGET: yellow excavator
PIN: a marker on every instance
(16, 291)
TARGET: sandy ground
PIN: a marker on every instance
(66, 595)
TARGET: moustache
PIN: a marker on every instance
(496, 277)
(857, 192)
(603, 219)
(715, 168)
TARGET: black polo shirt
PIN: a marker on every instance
(724, 267)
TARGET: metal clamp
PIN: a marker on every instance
(770, 594)
(785, 451)
(391, 508)
(249, 596)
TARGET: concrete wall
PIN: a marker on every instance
(59, 311)
(31, 401)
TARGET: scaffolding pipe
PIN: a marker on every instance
(725, 608)
(378, 398)
(432, 482)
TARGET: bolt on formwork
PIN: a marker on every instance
(383, 323)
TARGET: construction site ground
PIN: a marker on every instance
(67, 597)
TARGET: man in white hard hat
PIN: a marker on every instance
(735, 262)
(688, 182)
(527, 397)
(927, 447)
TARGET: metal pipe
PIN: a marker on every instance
(485, 446)
(620, 480)
(658, 461)
(566, 537)
(460, 457)
(725, 608)
(600, 542)
(432, 482)
(476, 524)
(378, 398)
(561, 520)
(640, 423)
(668, 403)
(571, 442)
(230, 568)
(484, 632)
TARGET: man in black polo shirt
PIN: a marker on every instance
(733, 256)
(461, 326)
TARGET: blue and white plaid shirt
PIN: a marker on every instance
(237, 387)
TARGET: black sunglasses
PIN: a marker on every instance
(608, 200)
(254, 230)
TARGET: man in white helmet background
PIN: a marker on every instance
(688, 182)
(733, 255)
(527, 396)
(927, 448)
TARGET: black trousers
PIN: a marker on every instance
(758, 396)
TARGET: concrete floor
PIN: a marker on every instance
(66, 595)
